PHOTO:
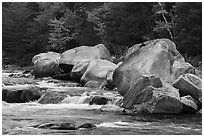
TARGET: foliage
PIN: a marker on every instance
(164, 13)
(189, 28)
(30, 28)
(120, 25)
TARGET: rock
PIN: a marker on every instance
(142, 83)
(152, 57)
(31, 93)
(70, 57)
(98, 70)
(189, 84)
(99, 100)
(45, 125)
(157, 101)
(92, 84)
(20, 81)
(11, 96)
(52, 97)
(79, 69)
(46, 64)
(57, 126)
(59, 95)
(180, 68)
(87, 125)
(64, 126)
(189, 105)
(20, 95)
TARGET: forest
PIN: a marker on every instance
(30, 28)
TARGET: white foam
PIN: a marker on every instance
(121, 124)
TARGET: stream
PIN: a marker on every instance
(21, 118)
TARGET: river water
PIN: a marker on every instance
(21, 118)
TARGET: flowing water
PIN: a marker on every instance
(21, 118)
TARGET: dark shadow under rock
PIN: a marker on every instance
(99, 100)
(87, 125)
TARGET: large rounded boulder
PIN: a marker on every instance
(98, 70)
(45, 64)
(151, 57)
(71, 57)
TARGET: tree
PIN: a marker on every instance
(164, 13)
(120, 25)
(189, 28)
(17, 23)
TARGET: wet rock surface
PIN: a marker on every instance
(65, 126)
(21, 94)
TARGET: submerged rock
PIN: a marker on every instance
(57, 126)
(45, 64)
(87, 125)
(64, 126)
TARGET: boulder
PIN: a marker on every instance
(70, 57)
(140, 84)
(21, 94)
(180, 68)
(79, 69)
(189, 105)
(99, 100)
(31, 93)
(11, 96)
(151, 57)
(46, 64)
(189, 84)
(157, 101)
(98, 70)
